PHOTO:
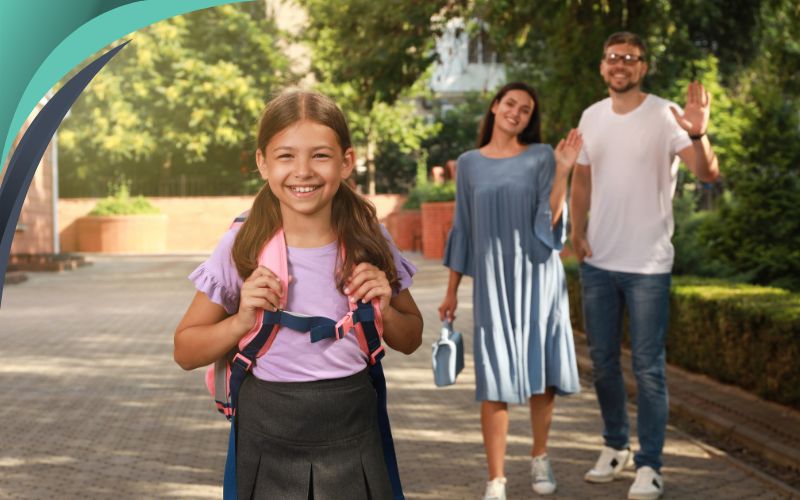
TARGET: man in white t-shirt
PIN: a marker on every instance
(621, 208)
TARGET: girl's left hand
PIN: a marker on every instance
(368, 282)
(567, 150)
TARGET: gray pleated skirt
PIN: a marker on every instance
(310, 440)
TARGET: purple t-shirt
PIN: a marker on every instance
(292, 357)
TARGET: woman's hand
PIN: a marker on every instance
(566, 154)
(567, 150)
(447, 310)
(261, 290)
(368, 282)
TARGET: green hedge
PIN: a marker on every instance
(120, 202)
(430, 191)
(736, 333)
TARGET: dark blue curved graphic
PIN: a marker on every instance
(30, 150)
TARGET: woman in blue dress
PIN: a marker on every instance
(508, 229)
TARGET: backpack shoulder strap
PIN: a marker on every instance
(273, 254)
(368, 324)
(239, 220)
(224, 377)
(273, 257)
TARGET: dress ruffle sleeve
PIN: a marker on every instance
(458, 253)
(551, 236)
(217, 277)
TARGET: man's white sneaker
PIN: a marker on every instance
(647, 486)
(609, 466)
(495, 489)
(542, 480)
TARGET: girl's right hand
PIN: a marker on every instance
(448, 308)
(261, 290)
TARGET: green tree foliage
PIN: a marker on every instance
(182, 100)
(459, 128)
(758, 231)
(728, 117)
(371, 57)
(693, 255)
(397, 131)
(395, 171)
(380, 49)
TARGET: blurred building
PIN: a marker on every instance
(468, 62)
(291, 18)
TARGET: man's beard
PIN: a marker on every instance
(627, 87)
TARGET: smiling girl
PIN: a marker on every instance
(306, 418)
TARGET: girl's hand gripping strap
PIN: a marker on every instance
(273, 257)
(259, 339)
(368, 324)
(227, 374)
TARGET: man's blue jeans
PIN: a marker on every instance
(646, 297)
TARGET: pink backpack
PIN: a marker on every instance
(229, 372)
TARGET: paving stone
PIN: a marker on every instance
(95, 407)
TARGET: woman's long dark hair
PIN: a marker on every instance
(532, 132)
(354, 218)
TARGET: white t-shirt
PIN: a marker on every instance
(634, 167)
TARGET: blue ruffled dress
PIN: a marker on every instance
(502, 237)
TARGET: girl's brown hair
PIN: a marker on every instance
(353, 217)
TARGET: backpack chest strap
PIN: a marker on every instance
(319, 327)
(361, 319)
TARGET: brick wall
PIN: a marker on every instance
(34, 232)
(195, 224)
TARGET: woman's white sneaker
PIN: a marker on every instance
(648, 485)
(609, 466)
(542, 480)
(495, 489)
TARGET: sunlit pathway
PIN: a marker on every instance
(94, 406)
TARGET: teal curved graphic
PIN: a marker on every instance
(42, 40)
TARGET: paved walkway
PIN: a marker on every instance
(95, 408)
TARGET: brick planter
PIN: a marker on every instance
(437, 217)
(405, 227)
(122, 233)
(45, 262)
